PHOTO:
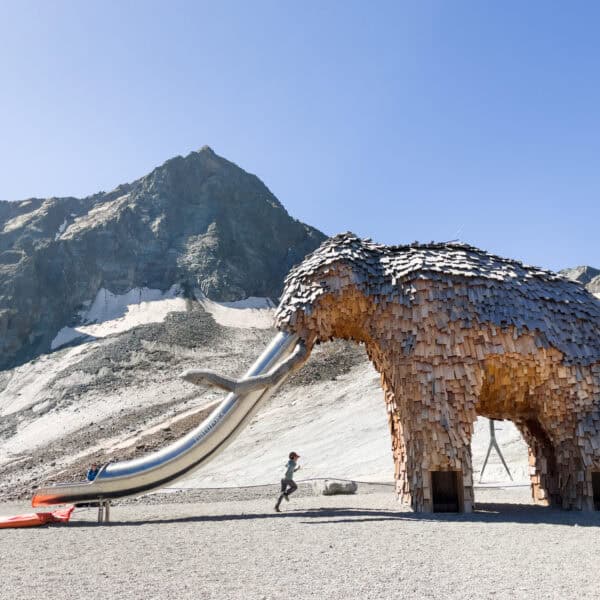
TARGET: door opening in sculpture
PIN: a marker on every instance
(596, 489)
(446, 489)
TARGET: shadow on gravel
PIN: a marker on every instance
(484, 513)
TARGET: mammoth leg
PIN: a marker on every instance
(543, 471)
(431, 427)
(588, 444)
(560, 470)
(574, 480)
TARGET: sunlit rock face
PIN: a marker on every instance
(589, 276)
(198, 222)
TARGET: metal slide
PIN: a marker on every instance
(133, 477)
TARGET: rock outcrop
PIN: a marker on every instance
(333, 487)
(589, 276)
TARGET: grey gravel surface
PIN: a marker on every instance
(360, 546)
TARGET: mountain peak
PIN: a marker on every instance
(199, 221)
(584, 273)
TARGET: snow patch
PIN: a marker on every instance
(61, 229)
(252, 312)
(251, 302)
(114, 313)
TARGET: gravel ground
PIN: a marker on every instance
(230, 544)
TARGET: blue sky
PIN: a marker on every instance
(400, 121)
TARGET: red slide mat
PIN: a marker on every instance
(62, 515)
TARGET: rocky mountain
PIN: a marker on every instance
(589, 276)
(198, 222)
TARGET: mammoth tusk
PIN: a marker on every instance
(251, 383)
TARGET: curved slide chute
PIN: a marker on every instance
(199, 446)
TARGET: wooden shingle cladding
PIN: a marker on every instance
(456, 332)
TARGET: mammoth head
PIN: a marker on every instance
(327, 295)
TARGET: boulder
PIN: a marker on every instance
(331, 487)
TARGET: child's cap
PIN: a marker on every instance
(294, 455)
